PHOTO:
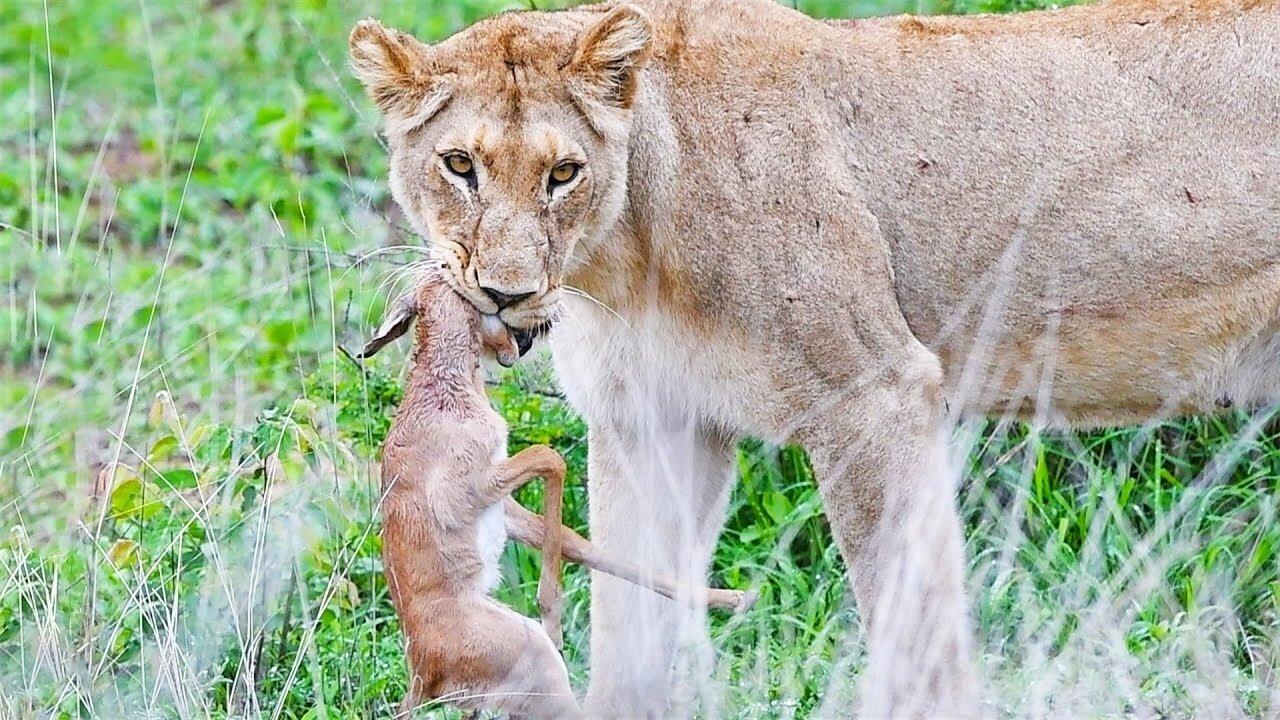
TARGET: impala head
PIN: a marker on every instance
(509, 145)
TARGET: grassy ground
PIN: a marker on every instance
(190, 194)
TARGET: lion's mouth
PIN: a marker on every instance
(524, 337)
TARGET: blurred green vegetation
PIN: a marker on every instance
(188, 526)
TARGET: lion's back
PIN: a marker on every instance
(1108, 174)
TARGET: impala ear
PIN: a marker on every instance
(398, 72)
(399, 317)
(611, 54)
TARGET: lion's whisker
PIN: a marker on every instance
(587, 296)
(398, 275)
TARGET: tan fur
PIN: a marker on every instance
(444, 470)
(830, 233)
(445, 475)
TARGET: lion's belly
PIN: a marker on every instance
(1089, 366)
(1193, 350)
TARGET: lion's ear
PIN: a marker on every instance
(611, 54)
(397, 72)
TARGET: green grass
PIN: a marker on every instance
(189, 194)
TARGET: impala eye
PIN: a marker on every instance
(562, 174)
(459, 164)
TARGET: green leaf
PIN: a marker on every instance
(777, 505)
(287, 135)
(162, 449)
(15, 437)
(180, 479)
(268, 114)
(281, 333)
(126, 498)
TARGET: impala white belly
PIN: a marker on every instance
(491, 537)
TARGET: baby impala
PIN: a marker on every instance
(447, 513)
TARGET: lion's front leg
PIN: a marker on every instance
(657, 498)
(881, 457)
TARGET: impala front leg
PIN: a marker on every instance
(550, 591)
(513, 473)
(510, 475)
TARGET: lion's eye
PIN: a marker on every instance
(459, 164)
(563, 173)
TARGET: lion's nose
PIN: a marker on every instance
(503, 300)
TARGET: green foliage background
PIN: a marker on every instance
(188, 196)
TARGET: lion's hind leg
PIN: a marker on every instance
(1252, 381)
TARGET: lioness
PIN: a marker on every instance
(737, 220)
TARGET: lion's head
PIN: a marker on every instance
(509, 144)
